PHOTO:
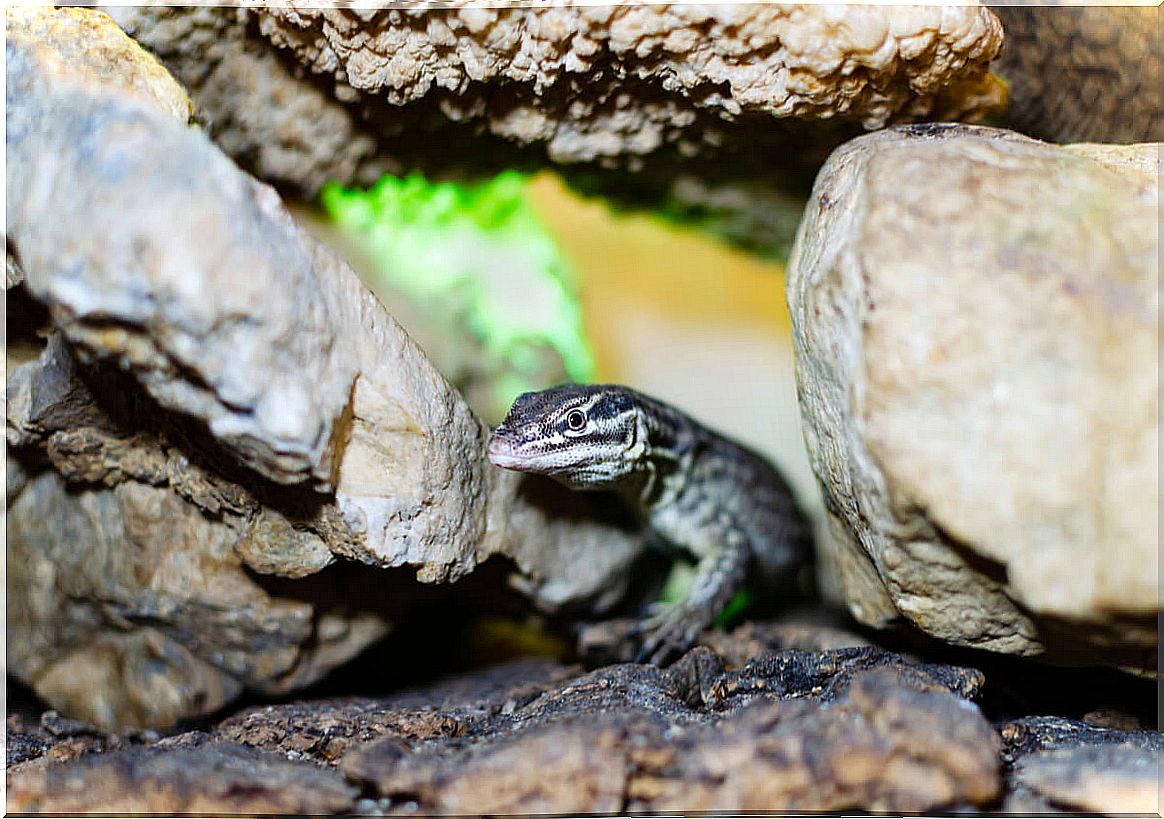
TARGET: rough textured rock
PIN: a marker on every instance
(978, 382)
(260, 109)
(207, 779)
(192, 353)
(604, 81)
(844, 728)
(1057, 764)
(215, 354)
(82, 46)
(587, 83)
(691, 738)
(1083, 73)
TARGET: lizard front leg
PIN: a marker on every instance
(673, 628)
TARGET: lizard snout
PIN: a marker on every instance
(500, 450)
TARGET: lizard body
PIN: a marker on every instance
(697, 490)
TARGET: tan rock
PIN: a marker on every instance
(1113, 779)
(599, 82)
(975, 320)
(1071, 765)
(72, 43)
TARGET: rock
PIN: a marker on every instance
(82, 46)
(1069, 76)
(835, 729)
(66, 604)
(852, 728)
(723, 122)
(978, 383)
(55, 739)
(227, 378)
(633, 738)
(617, 80)
(1111, 780)
(258, 108)
(212, 778)
(1067, 765)
(191, 328)
(587, 83)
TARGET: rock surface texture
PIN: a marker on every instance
(586, 84)
(1056, 764)
(604, 81)
(975, 316)
(779, 715)
(793, 729)
(1084, 73)
(223, 408)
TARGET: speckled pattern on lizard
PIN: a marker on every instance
(698, 492)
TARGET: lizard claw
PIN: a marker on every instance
(667, 633)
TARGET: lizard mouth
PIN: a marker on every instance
(504, 454)
(501, 454)
(507, 454)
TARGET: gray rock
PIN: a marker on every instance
(99, 179)
(975, 319)
(260, 110)
(851, 728)
(605, 81)
(128, 606)
(634, 738)
(210, 354)
(813, 729)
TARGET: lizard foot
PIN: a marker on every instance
(667, 633)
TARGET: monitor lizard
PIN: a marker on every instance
(696, 490)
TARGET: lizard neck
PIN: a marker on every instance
(665, 444)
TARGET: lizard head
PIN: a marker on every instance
(581, 435)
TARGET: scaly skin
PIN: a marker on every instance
(697, 490)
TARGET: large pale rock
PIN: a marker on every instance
(82, 46)
(211, 353)
(976, 328)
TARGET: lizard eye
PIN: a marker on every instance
(576, 420)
